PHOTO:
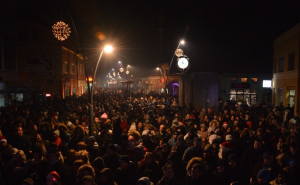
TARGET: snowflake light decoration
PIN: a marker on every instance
(61, 30)
(178, 52)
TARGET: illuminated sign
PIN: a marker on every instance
(267, 83)
(240, 85)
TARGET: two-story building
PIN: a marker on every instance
(286, 68)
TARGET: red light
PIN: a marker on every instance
(162, 80)
(54, 179)
(48, 95)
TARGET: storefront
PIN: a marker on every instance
(245, 88)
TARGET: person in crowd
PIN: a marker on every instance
(150, 167)
(107, 177)
(111, 158)
(127, 173)
(169, 177)
(22, 142)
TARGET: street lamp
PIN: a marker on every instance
(107, 49)
(178, 52)
(162, 75)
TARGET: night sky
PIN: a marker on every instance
(221, 36)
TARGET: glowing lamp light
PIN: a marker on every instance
(108, 49)
(163, 80)
(121, 69)
(127, 72)
(267, 83)
(61, 30)
(90, 79)
(48, 95)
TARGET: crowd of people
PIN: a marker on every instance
(147, 140)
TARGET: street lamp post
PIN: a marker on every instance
(168, 71)
(162, 75)
(91, 104)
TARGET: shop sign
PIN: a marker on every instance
(39, 66)
(240, 85)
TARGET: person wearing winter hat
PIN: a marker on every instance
(104, 116)
(225, 149)
(53, 178)
(107, 177)
(111, 157)
(268, 163)
(144, 181)
(263, 177)
(127, 172)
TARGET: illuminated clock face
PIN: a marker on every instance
(183, 63)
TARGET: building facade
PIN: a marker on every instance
(286, 68)
(245, 88)
(35, 64)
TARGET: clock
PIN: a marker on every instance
(183, 63)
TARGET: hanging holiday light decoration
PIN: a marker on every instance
(127, 72)
(121, 69)
(61, 30)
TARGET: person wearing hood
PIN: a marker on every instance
(92, 147)
(127, 173)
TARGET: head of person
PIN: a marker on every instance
(20, 131)
(197, 142)
(124, 162)
(168, 172)
(106, 176)
(196, 171)
(84, 170)
(257, 144)
(263, 176)
(53, 178)
(268, 158)
(87, 180)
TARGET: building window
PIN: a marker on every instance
(253, 80)
(243, 96)
(35, 35)
(292, 93)
(244, 79)
(233, 79)
(281, 64)
(66, 67)
(291, 66)
(275, 66)
(73, 68)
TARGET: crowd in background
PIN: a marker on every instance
(147, 140)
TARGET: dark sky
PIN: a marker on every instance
(221, 36)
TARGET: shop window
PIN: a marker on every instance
(234, 79)
(247, 91)
(244, 79)
(281, 64)
(291, 65)
(253, 80)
